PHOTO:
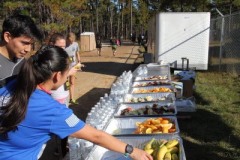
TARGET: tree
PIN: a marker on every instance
(108, 17)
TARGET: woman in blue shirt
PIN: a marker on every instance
(29, 115)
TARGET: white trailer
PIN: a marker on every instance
(174, 35)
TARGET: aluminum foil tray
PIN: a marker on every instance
(127, 126)
(136, 90)
(150, 83)
(142, 109)
(100, 153)
(157, 77)
(155, 69)
(151, 97)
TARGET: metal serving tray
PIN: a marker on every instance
(155, 69)
(127, 126)
(157, 77)
(135, 90)
(139, 106)
(100, 153)
(151, 97)
(150, 83)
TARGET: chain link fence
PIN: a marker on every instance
(224, 48)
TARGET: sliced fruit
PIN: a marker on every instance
(156, 121)
(149, 131)
(166, 127)
(165, 121)
(137, 124)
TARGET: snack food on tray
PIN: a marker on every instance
(153, 83)
(157, 77)
(153, 90)
(154, 109)
(140, 99)
(145, 99)
(155, 126)
(163, 149)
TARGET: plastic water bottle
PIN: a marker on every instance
(74, 148)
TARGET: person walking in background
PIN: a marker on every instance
(73, 50)
(19, 32)
(35, 112)
(139, 39)
(98, 44)
(113, 45)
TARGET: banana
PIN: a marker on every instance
(149, 151)
(175, 156)
(149, 144)
(162, 142)
(155, 145)
(173, 150)
(154, 154)
(167, 156)
(171, 143)
(161, 152)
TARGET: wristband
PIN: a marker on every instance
(126, 155)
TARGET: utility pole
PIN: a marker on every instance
(97, 14)
(122, 21)
(131, 16)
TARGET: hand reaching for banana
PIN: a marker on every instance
(74, 69)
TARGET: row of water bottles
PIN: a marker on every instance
(79, 148)
(122, 84)
(98, 117)
(142, 70)
(102, 112)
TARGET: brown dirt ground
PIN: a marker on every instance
(96, 79)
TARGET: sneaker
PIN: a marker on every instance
(73, 101)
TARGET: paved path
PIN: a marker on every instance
(96, 80)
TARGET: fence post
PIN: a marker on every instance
(221, 44)
(221, 40)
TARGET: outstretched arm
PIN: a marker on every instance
(106, 140)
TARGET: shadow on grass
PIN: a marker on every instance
(202, 132)
(200, 100)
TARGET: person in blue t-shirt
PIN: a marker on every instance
(29, 115)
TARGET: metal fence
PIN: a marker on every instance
(224, 49)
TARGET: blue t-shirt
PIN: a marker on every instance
(45, 116)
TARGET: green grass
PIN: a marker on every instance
(213, 131)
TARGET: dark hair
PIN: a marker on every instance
(37, 69)
(54, 37)
(21, 25)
